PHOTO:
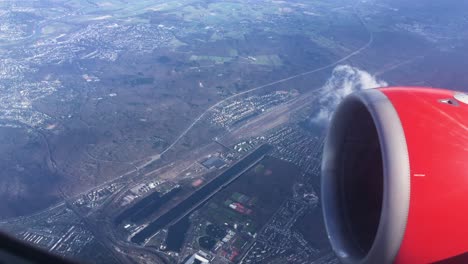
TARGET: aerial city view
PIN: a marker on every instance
(191, 131)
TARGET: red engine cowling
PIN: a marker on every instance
(395, 177)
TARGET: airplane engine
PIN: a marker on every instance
(395, 176)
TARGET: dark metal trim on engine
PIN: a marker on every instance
(396, 179)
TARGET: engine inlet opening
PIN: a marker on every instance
(359, 180)
(365, 179)
(362, 180)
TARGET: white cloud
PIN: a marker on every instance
(345, 79)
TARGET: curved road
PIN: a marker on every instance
(365, 46)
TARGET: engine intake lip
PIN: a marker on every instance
(395, 181)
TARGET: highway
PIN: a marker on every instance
(202, 115)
